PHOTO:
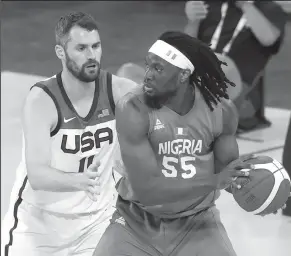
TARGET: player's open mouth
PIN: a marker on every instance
(91, 66)
(148, 90)
(147, 87)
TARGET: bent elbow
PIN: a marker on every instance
(267, 42)
(270, 38)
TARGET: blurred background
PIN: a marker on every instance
(127, 30)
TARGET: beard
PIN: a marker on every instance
(80, 72)
(157, 101)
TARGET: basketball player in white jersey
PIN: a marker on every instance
(64, 194)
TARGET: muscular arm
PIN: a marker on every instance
(121, 86)
(39, 119)
(225, 146)
(192, 28)
(142, 169)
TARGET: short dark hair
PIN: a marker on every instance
(66, 22)
(208, 75)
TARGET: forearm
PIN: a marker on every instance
(262, 28)
(45, 178)
(192, 28)
(162, 190)
(225, 151)
(220, 166)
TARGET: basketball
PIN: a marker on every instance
(267, 188)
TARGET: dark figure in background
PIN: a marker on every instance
(250, 33)
(287, 165)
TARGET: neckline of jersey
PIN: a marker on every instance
(70, 104)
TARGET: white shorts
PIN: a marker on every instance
(35, 232)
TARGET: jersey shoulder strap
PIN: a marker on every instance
(49, 87)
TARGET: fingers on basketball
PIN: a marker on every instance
(247, 157)
(266, 191)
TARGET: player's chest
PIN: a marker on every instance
(176, 135)
(86, 140)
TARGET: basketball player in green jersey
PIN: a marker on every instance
(178, 145)
(64, 194)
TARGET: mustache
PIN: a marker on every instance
(92, 62)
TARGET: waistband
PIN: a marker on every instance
(109, 208)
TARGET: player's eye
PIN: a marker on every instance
(96, 46)
(81, 48)
(159, 69)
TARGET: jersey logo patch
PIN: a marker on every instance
(181, 131)
(158, 125)
(103, 113)
(68, 120)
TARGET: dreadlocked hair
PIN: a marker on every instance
(208, 75)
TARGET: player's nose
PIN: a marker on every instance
(90, 54)
(148, 75)
(148, 79)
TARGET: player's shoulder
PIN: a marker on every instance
(133, 102)
(227, 105)
(229, 116)
(122, 86)
(223, 107)
(40, 88)
(38, 97)
(132, 114)
(47, 82)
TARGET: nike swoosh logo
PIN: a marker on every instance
(68, 120)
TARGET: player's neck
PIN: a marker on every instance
(75, 87)
(183, 101)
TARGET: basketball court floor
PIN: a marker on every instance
(251, 235)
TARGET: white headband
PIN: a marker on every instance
(171, 55)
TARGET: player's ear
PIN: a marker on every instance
(184, 75)
(60, 51)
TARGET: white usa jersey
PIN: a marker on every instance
(74, 143)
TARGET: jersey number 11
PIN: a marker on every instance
(83, 161)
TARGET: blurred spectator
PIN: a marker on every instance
(287, 165)
(250, 33)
